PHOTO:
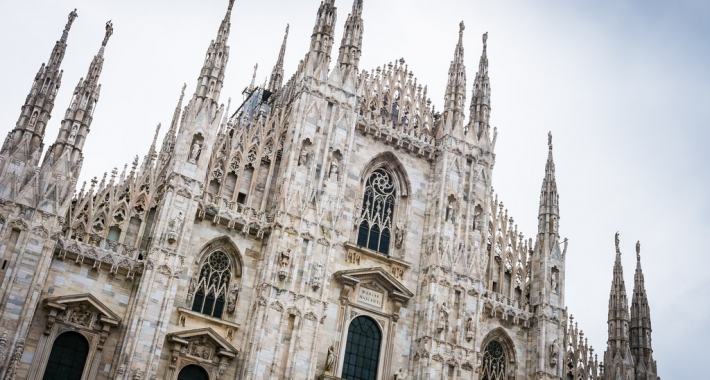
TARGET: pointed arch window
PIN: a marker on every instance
(68, 357)
(493, 366)
(362, 352)
(213, 285)
(377, 212)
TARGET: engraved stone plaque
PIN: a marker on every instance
(370, 297)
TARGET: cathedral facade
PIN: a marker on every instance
(336, 226)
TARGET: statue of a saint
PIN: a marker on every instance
(72, 16)
(330, 360)
(109, 32)
(554, 353)
(194, 152)
(303, 158)
(469, 328)
(334, 167)
(638, 250)
(399, 235)
(616, 241)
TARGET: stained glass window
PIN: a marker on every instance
(362, 352)
(213, 285)
(493, 365)
(193, 372)
(68, 357)
(377, 212)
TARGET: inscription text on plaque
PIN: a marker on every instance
(370, 297)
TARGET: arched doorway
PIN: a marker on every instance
(68, 357)
(362, 352)
(193, 372)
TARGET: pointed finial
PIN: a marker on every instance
(549, 140)
(231, 4)
(461, 27)
(616, 242)
(485, 40)
(638, 251)
(109, 32)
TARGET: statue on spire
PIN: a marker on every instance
(638, 250)
(109, 32)
(549, 139)
(72, 16)
(616, 242)
(461, 27)
(485, 39)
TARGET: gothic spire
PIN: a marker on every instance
(209, 84)
(75, 127)
(36, 112)
(166, 150)
(641, 319)
(481, 100)
(548, 215)
(455, 93)
(277, 73)
(618, 319)
(351, 45)
(318, 57)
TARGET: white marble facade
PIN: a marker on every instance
(250, 244)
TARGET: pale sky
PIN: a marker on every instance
(622, 85)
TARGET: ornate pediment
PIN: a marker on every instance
(203, 343)
(85, 302)
(375, 277)
(374, 284)
(82, 311)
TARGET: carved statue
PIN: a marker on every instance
(554, 353)
(303, 158)
(330, 359)
(638, 250)
(74, 131)
(193, 284)
(81, 316)
(554, 281)
(285, 259)
(33, 118)
(72, 16)
(444, 316)
(399, 235)
(194, 152)
(232, 299)
(334, 169)
(109, 32)
(511, 375)
(616, 241)
(401, 374)
(317, 273)
(450, 211)
(469, 328)
(478, 362)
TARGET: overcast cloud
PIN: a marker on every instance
(623, 86)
